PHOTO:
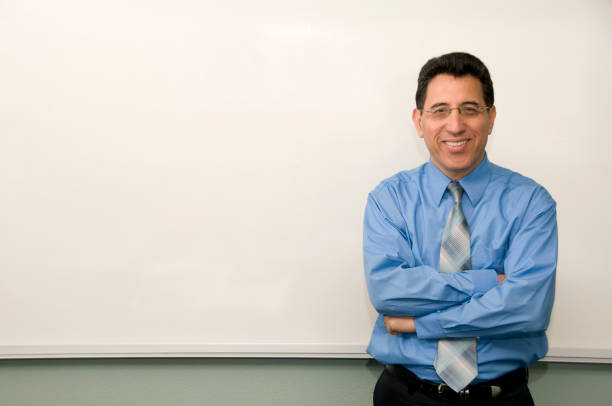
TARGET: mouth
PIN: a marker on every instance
(455, 143)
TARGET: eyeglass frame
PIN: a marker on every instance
(478, 107)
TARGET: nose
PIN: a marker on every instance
(454, 122)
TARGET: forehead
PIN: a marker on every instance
(445, 88)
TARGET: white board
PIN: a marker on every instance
(189, 177)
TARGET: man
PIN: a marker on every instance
(460, 256)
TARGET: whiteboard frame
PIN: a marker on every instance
(268, 350)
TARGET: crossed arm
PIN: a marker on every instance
(405, 324)
(418, 299)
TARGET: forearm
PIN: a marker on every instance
(498, 313)
(421, 290)
(406, 324)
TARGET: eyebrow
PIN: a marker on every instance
(470, 102)
(433, 106)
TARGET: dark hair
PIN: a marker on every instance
(457, 64)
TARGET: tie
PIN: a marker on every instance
(456, 361)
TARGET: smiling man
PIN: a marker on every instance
(460, 256)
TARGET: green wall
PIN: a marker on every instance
(254, 381)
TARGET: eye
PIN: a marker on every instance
(440, 111)
(469, 110)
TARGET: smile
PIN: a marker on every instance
(455, 144)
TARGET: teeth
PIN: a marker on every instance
(455, 144)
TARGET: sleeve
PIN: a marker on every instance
(523, 302)
(396, 285)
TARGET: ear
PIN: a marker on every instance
(492, 115)
(416, 119)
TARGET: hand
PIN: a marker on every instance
(501, 277)
(397, 325)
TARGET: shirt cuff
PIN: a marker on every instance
(483, 280)
(428, 326)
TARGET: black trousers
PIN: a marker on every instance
(390, 391)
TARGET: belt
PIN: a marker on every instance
(478, 392)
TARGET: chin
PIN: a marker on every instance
(458, 167)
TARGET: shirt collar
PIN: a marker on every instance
(473, 184)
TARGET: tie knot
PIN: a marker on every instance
(456, 191)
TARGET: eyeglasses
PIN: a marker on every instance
(468, 110)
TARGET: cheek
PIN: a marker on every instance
(431, 143)
(430, 133)
(487, 127)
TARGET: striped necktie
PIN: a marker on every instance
(456, 361)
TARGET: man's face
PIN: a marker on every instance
(456, 143)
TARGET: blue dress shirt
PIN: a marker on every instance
(513, 230)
